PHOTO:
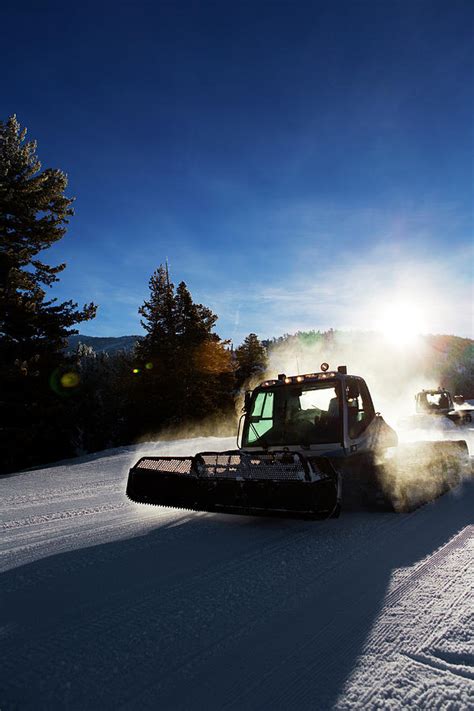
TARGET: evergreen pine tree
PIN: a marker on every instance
(34, 213)
(205, 363)
(194, 322)
(251, 359)
(151, 393)
(159, 321)
(185, 372)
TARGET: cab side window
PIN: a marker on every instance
(261, 419)
(359, 407)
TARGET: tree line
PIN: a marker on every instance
(54, 405)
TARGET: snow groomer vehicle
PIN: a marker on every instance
(308, 446)
(440, 403)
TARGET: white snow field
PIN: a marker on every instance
(107, 604)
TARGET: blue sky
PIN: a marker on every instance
(300, 164)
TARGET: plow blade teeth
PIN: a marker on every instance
(232, 482)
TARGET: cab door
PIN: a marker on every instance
(360, 413)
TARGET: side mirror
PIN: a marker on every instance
(248, 398)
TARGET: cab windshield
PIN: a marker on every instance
(293, 415)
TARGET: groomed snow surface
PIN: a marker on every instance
(107, 604)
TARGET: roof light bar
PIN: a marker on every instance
(267, 383)
(288, 379)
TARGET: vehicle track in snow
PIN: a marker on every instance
(147, 608)
(266, 614)
(427, 568)
(59, 494)
(412, 630)
(135, 545)
(319, 666)
(58, 515)
(119, 613)
(315, 663)
(62, 534)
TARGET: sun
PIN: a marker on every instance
(401, 323)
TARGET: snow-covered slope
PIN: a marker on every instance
(106, 604)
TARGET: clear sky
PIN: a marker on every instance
(300, 164)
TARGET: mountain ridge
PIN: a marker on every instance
(103, 344)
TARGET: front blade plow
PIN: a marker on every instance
(276, 484)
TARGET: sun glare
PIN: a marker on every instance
(401, 323)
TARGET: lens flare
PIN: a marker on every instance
(149, 366)
(69, 380)
(65, 383)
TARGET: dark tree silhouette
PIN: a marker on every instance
(251, 359)
(185, 371)
(34, 212)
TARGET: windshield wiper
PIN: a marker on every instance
(260, 438)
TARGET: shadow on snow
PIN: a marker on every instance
(209, 611)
